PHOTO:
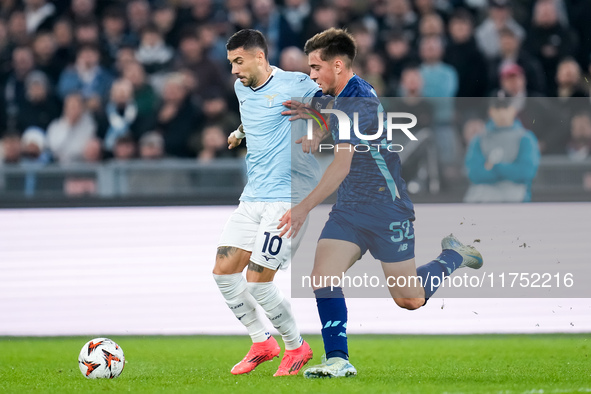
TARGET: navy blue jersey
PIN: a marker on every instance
(375, 174)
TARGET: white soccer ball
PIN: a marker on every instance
(101, 358)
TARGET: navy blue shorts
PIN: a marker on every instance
(388, 235)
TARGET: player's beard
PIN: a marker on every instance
(250, 81)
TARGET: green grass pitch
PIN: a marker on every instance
(386, 364)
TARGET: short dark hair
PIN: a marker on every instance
(113, 12)
(395, 35)
(577, 114)
(462, 15)
(331, 43)
(188, 35)
(89, 22)
(151, 28)
(89, 46)
(412, 66)
(247, 39)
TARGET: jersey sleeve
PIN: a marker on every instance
(304, 86)
(321, 101)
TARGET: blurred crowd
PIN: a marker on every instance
(94, 80)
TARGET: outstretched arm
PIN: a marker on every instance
(334, 175)
(320, 131)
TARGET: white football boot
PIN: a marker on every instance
(334, 367)
(470, 256)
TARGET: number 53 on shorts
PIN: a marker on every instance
(402, 233)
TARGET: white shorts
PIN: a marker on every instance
(253, 227)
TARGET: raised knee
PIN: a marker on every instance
(410, 303)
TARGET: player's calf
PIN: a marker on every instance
(242, 304)
(278, 311)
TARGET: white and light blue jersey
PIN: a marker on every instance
(270, 139)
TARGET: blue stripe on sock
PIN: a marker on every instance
(332, 310)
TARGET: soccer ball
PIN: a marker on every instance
(101, 358)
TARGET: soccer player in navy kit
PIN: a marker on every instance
(373, 211)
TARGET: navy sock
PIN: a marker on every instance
(443, 266)
(332, 310)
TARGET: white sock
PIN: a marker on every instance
(242, 303)
(278, 310)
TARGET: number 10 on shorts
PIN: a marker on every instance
(273, 243)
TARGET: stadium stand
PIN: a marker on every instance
(95, 94)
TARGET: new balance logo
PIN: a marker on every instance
(402, 247)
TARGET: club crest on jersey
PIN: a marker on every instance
(271, 99)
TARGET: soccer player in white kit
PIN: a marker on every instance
(250, 237)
